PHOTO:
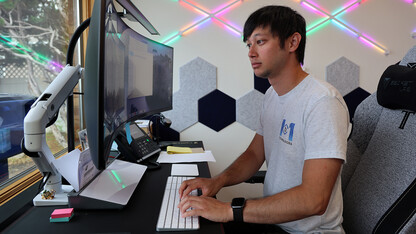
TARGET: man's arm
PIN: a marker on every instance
(246, 165)
(309, 198)
(240, 170)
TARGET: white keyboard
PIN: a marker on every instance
(169, 217)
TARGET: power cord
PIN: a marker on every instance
(44, 181)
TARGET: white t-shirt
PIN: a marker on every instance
(311, 121)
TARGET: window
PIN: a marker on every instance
(34, 37)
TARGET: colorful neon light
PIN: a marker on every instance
(208, 15)
(411, 2)
(317, 26)
(333, 18)
(328, 17)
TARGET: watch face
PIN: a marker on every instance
(238, 202)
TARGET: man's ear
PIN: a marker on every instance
(294, 41)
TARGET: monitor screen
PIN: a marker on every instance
(127, 77)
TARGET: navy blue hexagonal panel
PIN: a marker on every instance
(216, 110)
(261, 84)
(354, 98)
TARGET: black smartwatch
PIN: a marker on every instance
(238, 204)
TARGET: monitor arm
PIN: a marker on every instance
(42, 114)
(131, 12)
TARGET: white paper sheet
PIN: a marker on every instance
(77, 168)
(164, 157)
(184, 170)
(67, 165)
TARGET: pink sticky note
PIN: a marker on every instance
(62, 213)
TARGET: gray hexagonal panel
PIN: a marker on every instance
(198, 78)
(248, 109)
(184, 113)
(343, 75)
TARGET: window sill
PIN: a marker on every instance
(12, 190)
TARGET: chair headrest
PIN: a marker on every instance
(397, 88)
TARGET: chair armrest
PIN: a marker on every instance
(257, 178)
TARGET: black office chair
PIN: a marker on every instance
(379, 177)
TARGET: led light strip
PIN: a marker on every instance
(332, 17)
(307, 3)
(209, 15)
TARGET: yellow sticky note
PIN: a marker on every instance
(178, 150)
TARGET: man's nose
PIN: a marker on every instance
(252, 52)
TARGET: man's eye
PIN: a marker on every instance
(248, 45)
(259, 42)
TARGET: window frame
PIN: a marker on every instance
(17, 194)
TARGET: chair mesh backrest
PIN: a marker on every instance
(381, 163)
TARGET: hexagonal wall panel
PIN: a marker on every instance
(353, 99)
(216, 110)
(261, 84)
(249, 108)
(196, 79)
(343, 75)
(185, 111)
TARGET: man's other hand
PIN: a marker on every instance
(207, 207)
(209, 187)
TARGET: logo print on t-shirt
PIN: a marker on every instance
(286, 132)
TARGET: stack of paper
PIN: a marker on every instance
(61, 215)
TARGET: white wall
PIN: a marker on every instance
(389, 22)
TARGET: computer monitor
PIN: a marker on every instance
(127, 77)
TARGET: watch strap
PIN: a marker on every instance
(237, 205)
(238, 214)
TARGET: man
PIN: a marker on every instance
(302, 136)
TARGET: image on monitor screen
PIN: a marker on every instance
(127, 77)
(149, 64)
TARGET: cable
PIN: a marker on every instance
(44, 181)
(74, 39)
(70, 99)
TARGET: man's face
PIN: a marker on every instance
(266, 57)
